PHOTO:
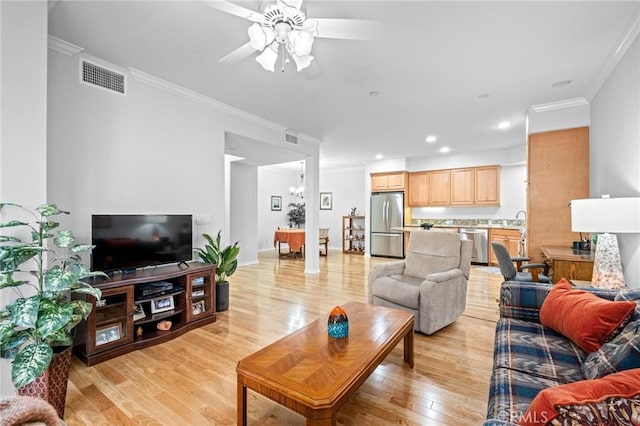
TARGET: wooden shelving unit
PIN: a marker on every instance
(353, 236)
(111, 330)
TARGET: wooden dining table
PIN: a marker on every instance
(294, 238)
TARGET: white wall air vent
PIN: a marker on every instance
(99, 76)
(290, 137)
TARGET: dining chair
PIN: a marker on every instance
(324, 241)
(511, 273)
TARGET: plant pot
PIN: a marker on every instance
(222, 296)
(52, 385)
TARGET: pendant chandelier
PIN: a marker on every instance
(299, 191)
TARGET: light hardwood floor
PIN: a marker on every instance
(191, 380)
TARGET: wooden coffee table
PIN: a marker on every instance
(313, 374)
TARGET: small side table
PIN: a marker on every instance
(581, 283)
(568, 263)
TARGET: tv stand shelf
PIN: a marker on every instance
(157, 317)
(142, 299)
(110, 330)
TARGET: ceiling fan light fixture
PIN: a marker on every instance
(260, 36)
(281, 32)
(285, 22)
(268, 58)
(302, 62)
(300, 42)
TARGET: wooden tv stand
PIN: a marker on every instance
(116, 325)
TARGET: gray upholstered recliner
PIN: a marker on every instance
(431, 282)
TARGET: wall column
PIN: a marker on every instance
(312, 211)
(23, 117)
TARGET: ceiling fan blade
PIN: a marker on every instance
(239, 54)
(351, 29)
(236, 10)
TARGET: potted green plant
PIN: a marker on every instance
(36, 328)
(226, 261)
(296, 214)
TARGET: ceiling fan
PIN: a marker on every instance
(284, 22)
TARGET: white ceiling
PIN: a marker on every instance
(429, 67)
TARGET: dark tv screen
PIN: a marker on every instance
(129, 241)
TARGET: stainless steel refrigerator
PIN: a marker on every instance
(387, 212)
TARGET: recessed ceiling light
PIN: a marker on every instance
(379, 156)
(561, 83)
(503, 125)
(373, 93)
(484, 95)
(445, 149)
(431, 138)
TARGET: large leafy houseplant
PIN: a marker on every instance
(43, 317)
(225, 258)
(226, 261)
(296, 214)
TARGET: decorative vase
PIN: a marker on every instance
(222, 296)
(338, 324)
(52, 385)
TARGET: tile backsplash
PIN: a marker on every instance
(508, 223)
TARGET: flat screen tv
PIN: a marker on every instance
(129, 241)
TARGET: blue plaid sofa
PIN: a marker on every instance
(529, 357)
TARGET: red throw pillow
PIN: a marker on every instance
(613, 397)
(581, 316)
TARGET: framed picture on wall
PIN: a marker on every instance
(326, 200)
(276, 203)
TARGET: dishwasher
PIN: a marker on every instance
(480, 238)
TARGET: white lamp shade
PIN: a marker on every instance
(300, 42)
(268, 58)
(599, 215)
(302, 62)
(259, 36)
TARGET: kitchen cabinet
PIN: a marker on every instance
(470, 186)
(510, 238)
(462, 186)
(487, 186)
(440, 187)
(558, 172)
(418, 189)
(392, 181)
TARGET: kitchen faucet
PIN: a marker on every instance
(523, 212)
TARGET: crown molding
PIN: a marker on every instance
(567, 103)
(159, 83)
(71, 49)
(62, 46)
(625, 40)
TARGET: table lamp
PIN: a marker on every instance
(606, 216)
